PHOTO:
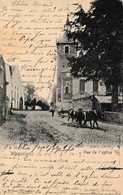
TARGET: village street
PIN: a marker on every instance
(41, 127)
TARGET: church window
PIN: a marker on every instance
(67, 87)
(66, 90)
(67, 49)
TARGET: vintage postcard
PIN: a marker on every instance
(61, 97)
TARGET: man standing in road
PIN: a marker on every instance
(52, 110)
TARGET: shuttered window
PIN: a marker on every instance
(82, 86)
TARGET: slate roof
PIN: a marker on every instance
(64, 39)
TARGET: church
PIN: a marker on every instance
(77, 92)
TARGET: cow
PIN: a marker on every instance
(72, 115)
(60, 112)
(92, 117)
(79, 117)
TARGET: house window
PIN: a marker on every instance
(67, 49)
(82, 86)
(15, 99)
(10, 68)
(15, 95)
(11, 95)
(95, 86)
(1, 77)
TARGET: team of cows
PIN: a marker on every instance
(77, 117)
(81, 118)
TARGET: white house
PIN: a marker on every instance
(15, 89)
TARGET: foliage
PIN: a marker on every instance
(29, 91)
(100, 42)
(99, 36)
(43, 104)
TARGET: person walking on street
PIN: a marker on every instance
(53, 110)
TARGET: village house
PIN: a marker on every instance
(15, 88)
(11, 89)
(77, 92)
(2, 88)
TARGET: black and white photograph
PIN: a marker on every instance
(61, 97)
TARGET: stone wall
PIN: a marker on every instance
(84, 103)
(87, 103)
(115, 117)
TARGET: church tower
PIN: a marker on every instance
(66, 47)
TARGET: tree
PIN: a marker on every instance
(43, 104)
(99, 36)
(29, 91)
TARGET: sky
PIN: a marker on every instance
(29, 31)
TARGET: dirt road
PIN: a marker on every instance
(41, 127)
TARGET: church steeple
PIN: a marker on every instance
(67, 26)
(66, 47)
